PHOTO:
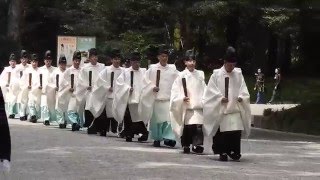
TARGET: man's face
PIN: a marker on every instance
(47, 62)
(116, 62)
(190, 64)
(63, 66)
(76, 63)
(229, 66)
(163, 59)
(24, 60)
(12, 63)
(34, 64)
(135, 64)
(93, 59)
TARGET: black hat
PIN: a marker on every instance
(93, 52)
(163, 50)
(12, 57)
(34, 57)
(231, 55)
(77, 55)
(190, 55)
(62, 60)
(135, 56)
(23, 54)
(48, 55)
(115, 53)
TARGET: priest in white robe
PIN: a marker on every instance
(30, 81)
(55, 80)
(66, 99)
(9, 82)
(126, 99)
(103, 96)
(227, 108)
(87, 82)
(22, 99)
(48, 97)
(155, 99)
(186, 108)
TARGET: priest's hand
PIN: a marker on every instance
(71, 89)
(111, 89)
(186, 99)
(156, 89)
(239, 99)
(89, 88)
(131, 90)
(224, 100)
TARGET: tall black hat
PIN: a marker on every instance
(115, 53)
(231, 55)
(135, 56)
(34, 57)
(93, 52)
(77, 55)
(62, 60)
(48, 55)
(190, 54)
(12, 57)
(163, 50)
(23, 54)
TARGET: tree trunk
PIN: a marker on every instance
(14, 19)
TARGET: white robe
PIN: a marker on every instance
(48, 97)
(11, 91)
(82, 94)
(53, 84)
(159, 101)
(66, 100)
(34, 94)
(22, 98)
(123, 97)
(102, 97)
(182, 113)
(230, 116)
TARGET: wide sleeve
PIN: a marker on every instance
(4, 77)
(82, 85)
(177, 108)
(244, 106)
(98, 96)
(147, 98)
(121, 96)
(212, 108)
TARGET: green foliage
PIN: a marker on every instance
(133, 41)
(281, 20)
(206, 25)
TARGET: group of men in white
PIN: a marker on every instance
(159, 102)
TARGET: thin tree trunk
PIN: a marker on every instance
(14, 19)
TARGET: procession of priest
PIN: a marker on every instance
(158, 103)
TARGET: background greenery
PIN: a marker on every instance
(266, 33)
